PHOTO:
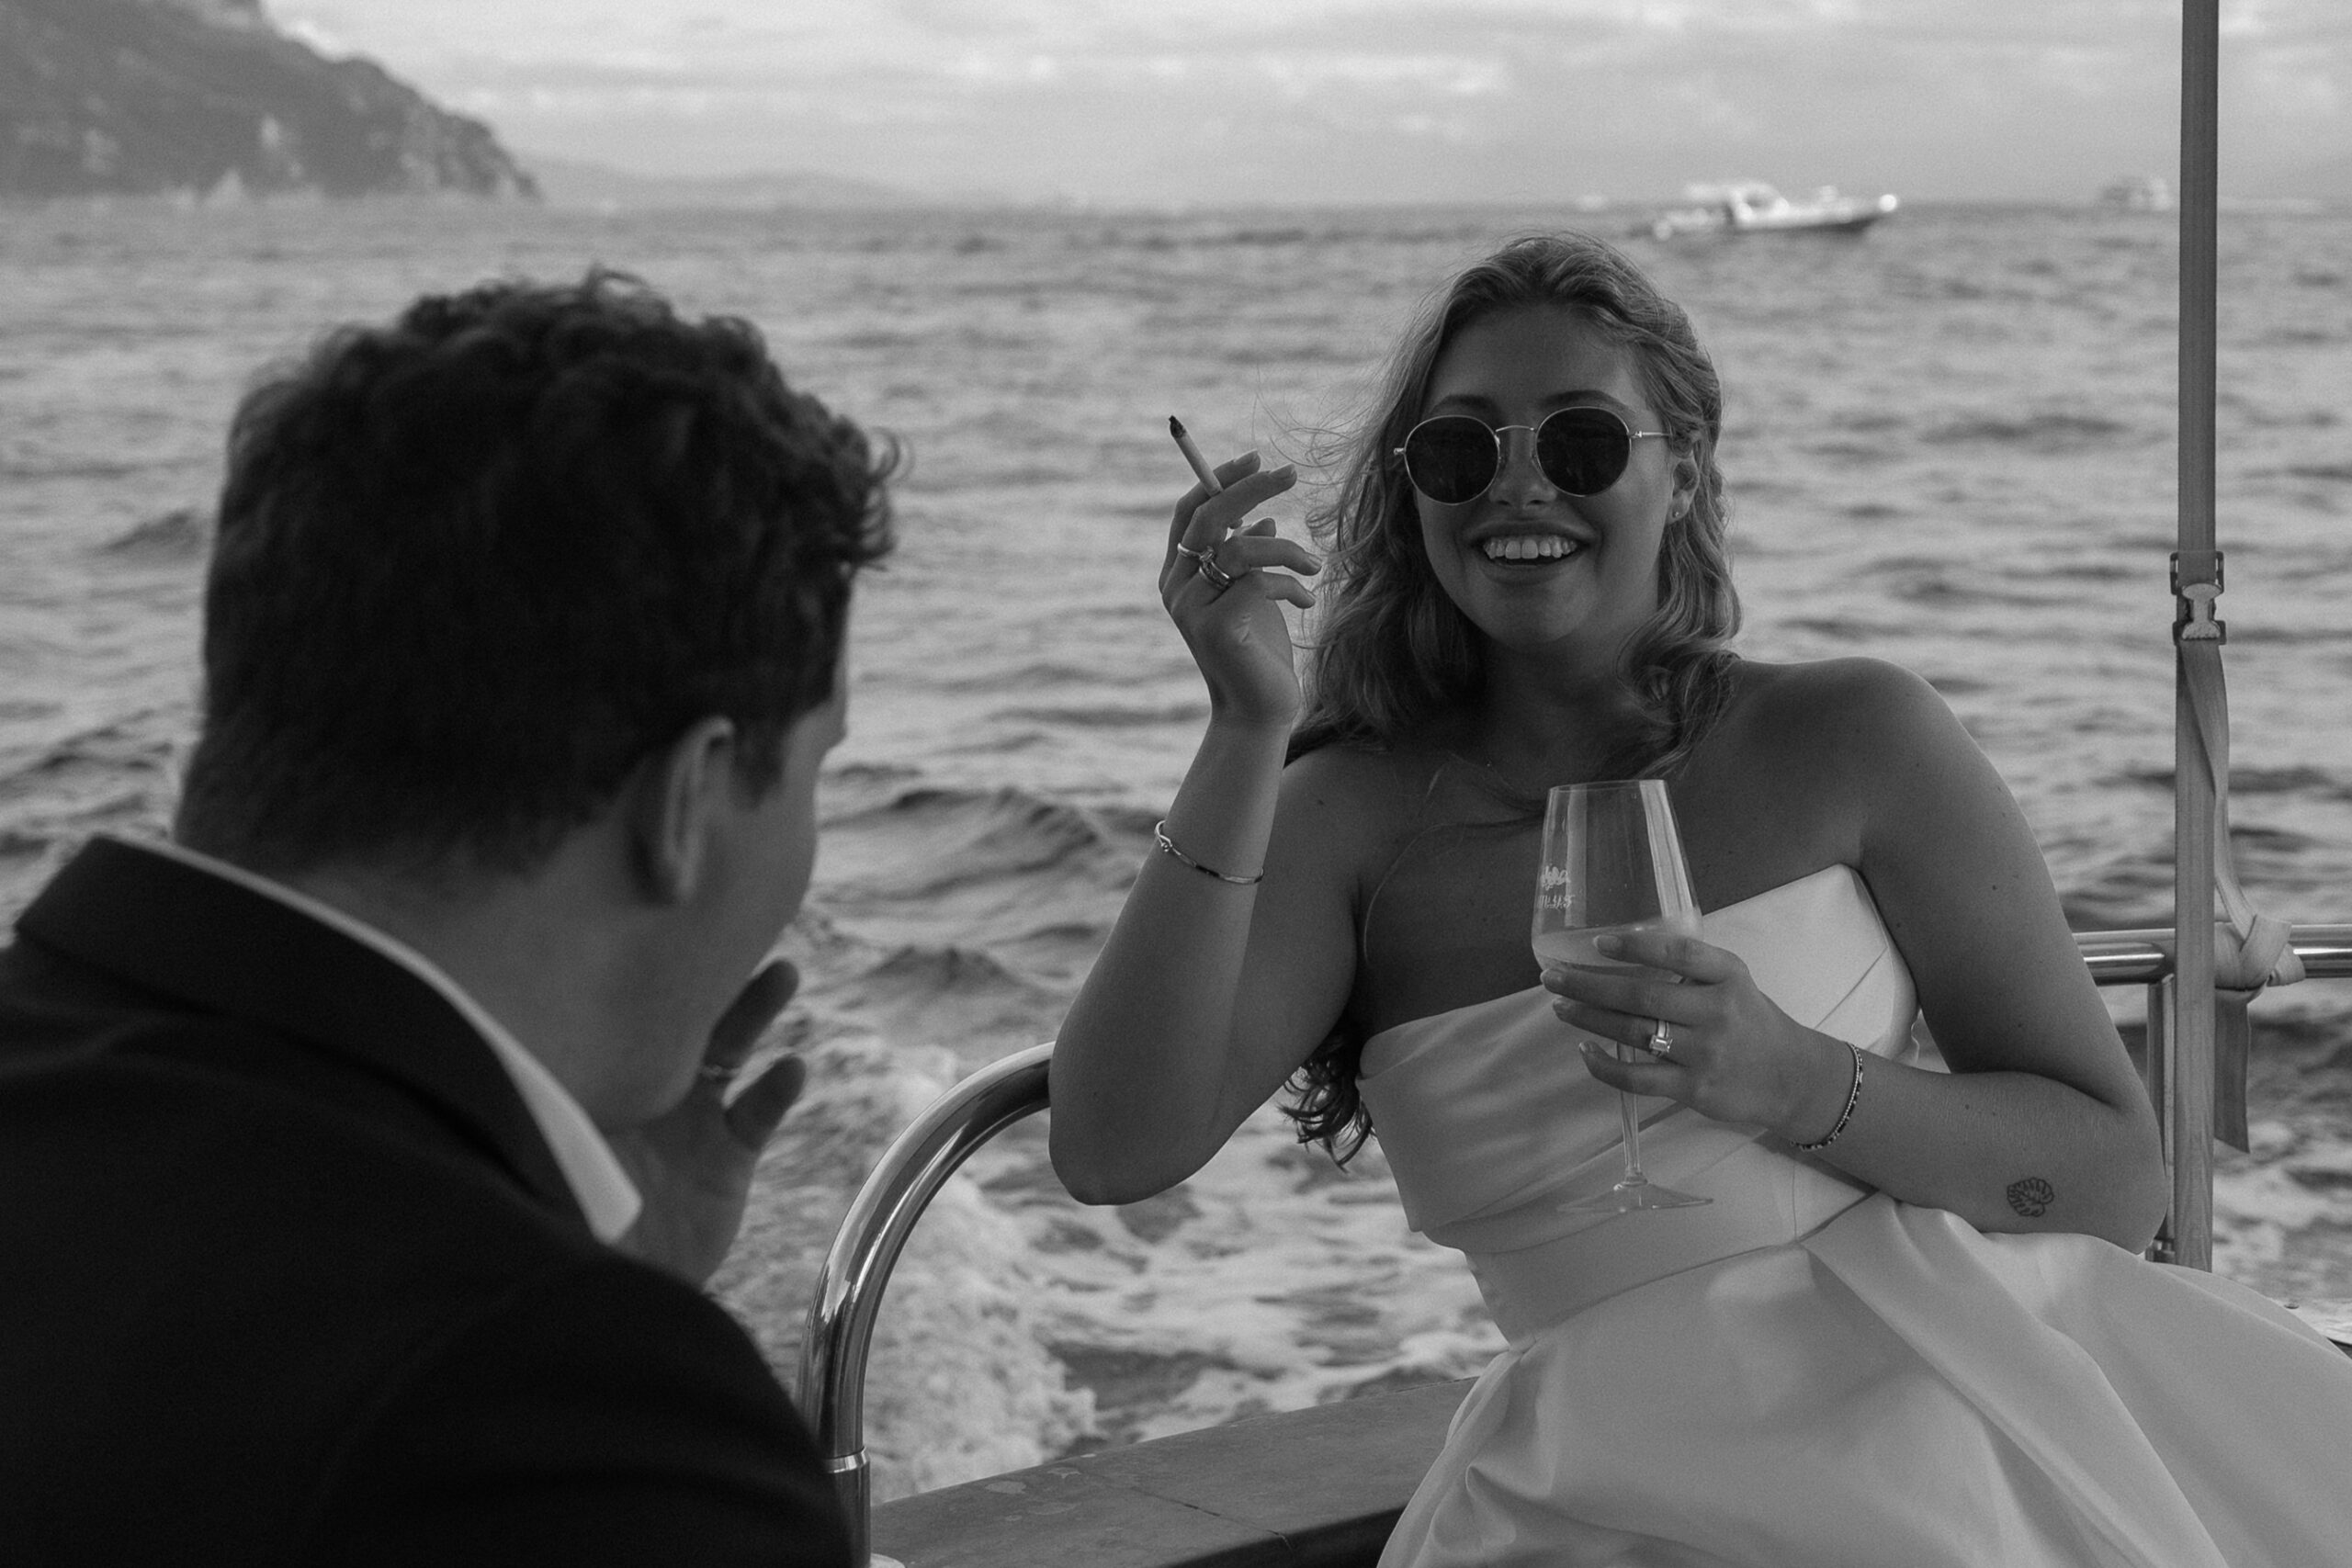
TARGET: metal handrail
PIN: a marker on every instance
(856, 1267)
(921, 1159)
(2144, 958)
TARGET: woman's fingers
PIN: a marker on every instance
(1228, 474)
(1260, 547)
(1688, 957)
(1661, 1080)
(1666, 971)
(1709, 1038)
(1203, 519)
(1255, 549)
(1284, 587)
(1278, 585)
(1614, 991)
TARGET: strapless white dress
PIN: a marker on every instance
(1804, 1373)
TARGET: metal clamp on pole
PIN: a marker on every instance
(2195, 584)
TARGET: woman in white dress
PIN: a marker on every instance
(1912, 1327)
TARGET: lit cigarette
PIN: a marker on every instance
(1192, 455)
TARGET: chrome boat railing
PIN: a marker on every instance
(867, 1247)
(920, 1160)
(2146, 957)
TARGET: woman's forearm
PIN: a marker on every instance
(1139, 1078)
(2007, 1151)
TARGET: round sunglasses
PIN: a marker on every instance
(1453, 457)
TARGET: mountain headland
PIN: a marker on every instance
(206, 98)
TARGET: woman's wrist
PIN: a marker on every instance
(1231, 718)
(1818, 1111)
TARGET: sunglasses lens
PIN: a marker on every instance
(1451, 459)
(1583, 451)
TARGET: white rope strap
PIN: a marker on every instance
(2262, 952)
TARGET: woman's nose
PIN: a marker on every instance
(1518, 478)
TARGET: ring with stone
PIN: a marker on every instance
(1661, 1040)
(720, 1072)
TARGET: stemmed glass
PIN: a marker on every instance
(1613, 863)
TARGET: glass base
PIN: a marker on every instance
(1627, 1197)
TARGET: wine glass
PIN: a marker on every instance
(1612, 863)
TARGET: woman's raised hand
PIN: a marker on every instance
(1728, 1051)
(1225, 580)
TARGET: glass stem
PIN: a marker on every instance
(1633, 1140)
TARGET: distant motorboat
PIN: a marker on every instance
(1751, 207)
(2138, 193)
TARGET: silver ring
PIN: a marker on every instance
(718, 1073)
(1189, 553)
(1214, 575)
(1661, 1040)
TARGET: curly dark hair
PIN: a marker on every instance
(473, 567)
(1390, 649)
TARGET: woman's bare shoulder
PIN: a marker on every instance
(1830, 688)
(1362, 783)
(1360, 768)
(1805, 767)
(1351, 804)
(1836, 713)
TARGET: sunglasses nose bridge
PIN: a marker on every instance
(1518, 469)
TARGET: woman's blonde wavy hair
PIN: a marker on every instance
(1390, 652)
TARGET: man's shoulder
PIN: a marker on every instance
(308, 1306)
(286, 1201)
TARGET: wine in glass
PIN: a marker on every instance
(1612, 863)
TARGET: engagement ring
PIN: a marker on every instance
(1661, 1040)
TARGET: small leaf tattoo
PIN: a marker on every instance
(2032, 1197)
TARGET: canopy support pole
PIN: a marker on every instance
(2197, 565)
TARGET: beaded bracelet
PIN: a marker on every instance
(1168, 847)
(1853, 1097)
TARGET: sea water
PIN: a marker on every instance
(1949, 444)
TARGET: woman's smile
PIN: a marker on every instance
(1528, 550)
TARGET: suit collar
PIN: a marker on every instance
(175, 927)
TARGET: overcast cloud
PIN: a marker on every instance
(1241, 101)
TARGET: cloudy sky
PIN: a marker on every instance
(1159, 102)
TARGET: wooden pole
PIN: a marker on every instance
(2193, 795)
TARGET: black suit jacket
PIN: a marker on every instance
(288, 1275)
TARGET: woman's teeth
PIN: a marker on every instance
(1529, 547)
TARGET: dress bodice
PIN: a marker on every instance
(1489, 1120)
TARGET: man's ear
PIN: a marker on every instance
(668, 807)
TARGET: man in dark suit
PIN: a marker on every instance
(363, 1147)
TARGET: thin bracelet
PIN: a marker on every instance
(1853, 1097)
(1168, 847)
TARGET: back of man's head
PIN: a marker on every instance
(473, 567)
